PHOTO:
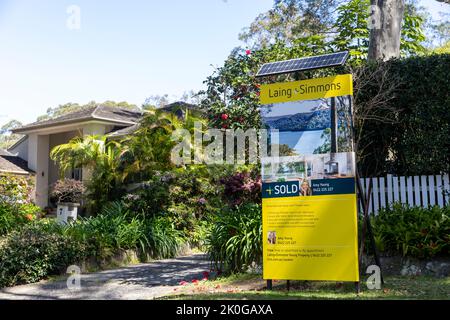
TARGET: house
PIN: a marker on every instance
(32, 152)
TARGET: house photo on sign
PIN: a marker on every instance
(309, 191)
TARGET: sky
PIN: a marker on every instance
(120, 50)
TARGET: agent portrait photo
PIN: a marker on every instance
(305, 189)
(271, 237)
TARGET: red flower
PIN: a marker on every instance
(224, 116)
(248, 52)
(183, 283)
(195, 281)
(205, 279)
(205, 274)
(224, 126)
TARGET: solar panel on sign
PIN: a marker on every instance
(307, 63)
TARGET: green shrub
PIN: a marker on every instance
(117, 228)
(44, 247)
(16, 208)
(412, 231)
(409, 133)
(163, 240)
(112, 230)
(235, 241)
(34, 252)
(185, 196)
(197, 237)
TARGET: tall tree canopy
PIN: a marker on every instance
(71, 107)
(341, 23)
(290, 19)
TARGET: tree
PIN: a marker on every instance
(161, 100)
(289, 20)
(156, 101)
(7, 138)
(351, 28)
(385, 34)
(7, 127)
(149, 148)
(99, 156)
(72, 107)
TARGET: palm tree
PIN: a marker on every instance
(149, 148)
(98, 156)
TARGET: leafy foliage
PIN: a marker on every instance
(235, 241)
(69, 107)
(163, 239)
(184, 196)
(67, 190)
(289, 20)
(33, 252)
(16, 206)
(413, 231)
(101, 157)
(408, 133)
(242, 187)
(44, 247)
(7, 138)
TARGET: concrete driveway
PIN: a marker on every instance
(142, 281)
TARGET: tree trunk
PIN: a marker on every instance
(334, 126)
(386, 27)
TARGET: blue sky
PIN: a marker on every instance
(124, 51)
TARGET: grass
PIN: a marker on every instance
(251, 287)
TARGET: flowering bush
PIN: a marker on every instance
(67, 190)
(242, 187)
(16, 207)
(15, 190)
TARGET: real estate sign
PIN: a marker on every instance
(309, 194)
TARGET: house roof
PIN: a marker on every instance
(123, 132)
(99, 112)
(10, 163)
(178, 108)
(22, 139)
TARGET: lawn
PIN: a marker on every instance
(252, 287)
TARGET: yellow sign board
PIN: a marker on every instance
(334, 86)
(310, 238)
(309, 203)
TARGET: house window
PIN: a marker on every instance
(77, 174)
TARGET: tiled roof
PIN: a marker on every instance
(99, 112)
(12, 164)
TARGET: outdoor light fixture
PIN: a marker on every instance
(303, 64)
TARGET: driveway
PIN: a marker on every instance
(142, 281)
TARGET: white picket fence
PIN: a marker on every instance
(416, 191)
